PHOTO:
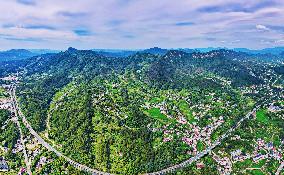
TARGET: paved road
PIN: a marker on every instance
(49, 147)
(14, 109)
(164, 171)
(280, 168)
(205, 152)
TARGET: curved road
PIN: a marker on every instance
(97, 172)
(16, 120)
(202, 153)
(49, 147)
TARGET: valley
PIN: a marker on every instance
(218, 112)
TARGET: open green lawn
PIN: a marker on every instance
(183, 106)
(261, 116)
(156, 114)
(156, 100)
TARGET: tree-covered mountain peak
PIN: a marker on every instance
(142, 107)
(175, 54)
(221, 53)
(71, 49)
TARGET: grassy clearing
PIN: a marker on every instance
(183, 106)
(261, 116)
(156, 100)
(156, 114)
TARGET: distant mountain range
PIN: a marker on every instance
(20, 54)
(161, 51)
(15, 54)
(274, 50)
(115, 52)
(43, 51)
(226, 63)
(155, 51)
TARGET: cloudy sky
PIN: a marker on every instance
(85, 24)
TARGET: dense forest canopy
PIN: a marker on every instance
(141, 111)
(111, 113)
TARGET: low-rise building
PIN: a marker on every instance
(3, 165)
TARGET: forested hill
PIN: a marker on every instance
(83, 62)
(109, 112)
(48, 73)
(74, 63)
(15, 54)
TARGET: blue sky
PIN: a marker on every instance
(131, 24)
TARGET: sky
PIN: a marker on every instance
(137, 24)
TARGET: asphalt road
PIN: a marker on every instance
(49, 147)
(164, 171)
(28, 166)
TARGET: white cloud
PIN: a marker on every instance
(261, 27)
(149, 23)
(279, 41)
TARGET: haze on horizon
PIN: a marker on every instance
(130, 24)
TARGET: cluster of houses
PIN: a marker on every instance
(200, 165)
(188, 132)
(270, 88)
(10, 78)
(237, 156)
(18, 147)
(33, 148)
(224, 164)
(5, 103)
(270, 152)
(42, 161)
(273, 108)
(194, 135)
(34, 151)
(3, 165)
(211, 54)
(201, 134)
